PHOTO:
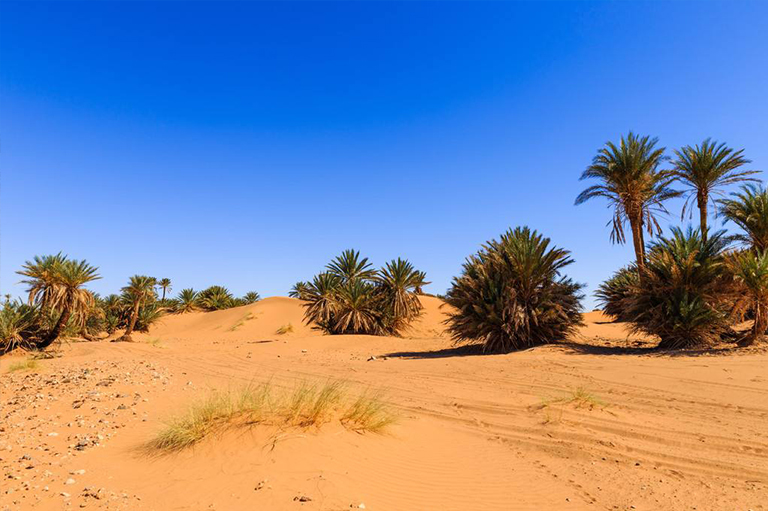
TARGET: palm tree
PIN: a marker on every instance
(636, 189)
(398, 282)
(513, 295)
(140, 290)
(216, 298)
(320, 298)
(165, 285)
(357, 311)
(348, 267)
(187, 301)
(751, 269)
(705, 170)
(56, 284)
(251, 297)
(299, 289)
(748, 209)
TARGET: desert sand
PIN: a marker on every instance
(597, 422)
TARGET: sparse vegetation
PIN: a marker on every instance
(241, 321)
(285, 329)
(511, 295)
(29, 364)
(353, 298)
(306, 406)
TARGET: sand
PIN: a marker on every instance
(598, 422)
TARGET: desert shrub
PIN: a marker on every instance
(511, 294)
(351, 297)
(750, 270)
(250, 297)
(612, 294)
(685, 294)
(20, 326)
(216, 298)
(188, 300)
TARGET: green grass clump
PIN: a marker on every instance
(307, 405)
(285, 329)
(29, 364)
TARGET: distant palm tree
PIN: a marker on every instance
(749, 210)
(56, 284)
(634, 185)
(165, 285)
(299, 289)
(705, 170)
(187, 301)
(140, 290)
(251, 297)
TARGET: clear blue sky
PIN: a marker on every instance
(246, 144)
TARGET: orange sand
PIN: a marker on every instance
(477, 432)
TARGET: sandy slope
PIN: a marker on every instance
(476, 432)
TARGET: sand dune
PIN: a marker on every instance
(594, 423)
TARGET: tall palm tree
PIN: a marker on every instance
(140, 290)
(165, 285)
(748, 209)
(634, 185)
(56, 283)
(705, 170)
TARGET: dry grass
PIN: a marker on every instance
(29, 364)
(156, 342)
(242, 321)
(579, 398)
(285, 329)
(307, 405)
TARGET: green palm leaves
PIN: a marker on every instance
(139, 292)
(56, 286)
(750, 268)
(511, 294)
(353, 298)
(704, 170)
(685, 296)
(187, 301)
(634, 186)
(748, 209)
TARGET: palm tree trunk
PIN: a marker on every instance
(163, 294)
(132, 324)
(702, 200)
(637, 240)
(57, 329)
(759, 327)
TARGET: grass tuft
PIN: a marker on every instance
(285, 329)
(242, 321)
(307, 405)
(29, 364)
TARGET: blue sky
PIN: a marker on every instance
(246, 144)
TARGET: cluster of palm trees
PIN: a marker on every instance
(59, 305)
(690, 288)
(351, 297)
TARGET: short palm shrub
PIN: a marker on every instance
(351, 297)
(750, 269)
(188, 300)
(216, 298)
(250, 297)
(685, 294)
(512, 294)
(20, 326)
(612, 294)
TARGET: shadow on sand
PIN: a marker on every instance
(583, 347)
